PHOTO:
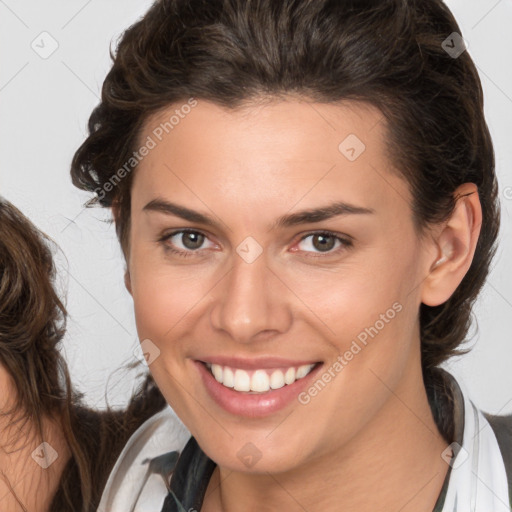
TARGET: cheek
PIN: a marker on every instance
(349, 298)
(161, 302)
(370, 318)
(166, 298)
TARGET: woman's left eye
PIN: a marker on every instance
(325, 242)
(186, 242)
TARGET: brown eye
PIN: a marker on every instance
(192, 239)
(323, 242)
(185, 242)
(320, 243)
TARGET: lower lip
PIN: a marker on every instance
(253, 405)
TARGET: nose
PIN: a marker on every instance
(251, 301)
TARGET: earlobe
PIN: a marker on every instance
(455, 247)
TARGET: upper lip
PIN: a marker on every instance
(255, 363)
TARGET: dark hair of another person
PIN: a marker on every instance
(388, 53)
(32, 326)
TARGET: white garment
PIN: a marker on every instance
(126, 489)
(478, 481)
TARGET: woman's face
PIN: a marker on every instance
(261, 285)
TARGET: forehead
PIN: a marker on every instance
(273, 154)
(273, 124)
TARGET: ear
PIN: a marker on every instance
(455, 244)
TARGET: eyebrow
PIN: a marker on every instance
(302, 217)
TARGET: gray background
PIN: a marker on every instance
(45, 104)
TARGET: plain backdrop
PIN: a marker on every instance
(54, 57)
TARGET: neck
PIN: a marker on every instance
(394, 463)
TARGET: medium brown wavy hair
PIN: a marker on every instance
(388, 53)
(32, 327)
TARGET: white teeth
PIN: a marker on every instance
(277, 379)
(242, 381)
(261, 380)
(229, 378)
(289, 376)
(302, 371)
(217, 372)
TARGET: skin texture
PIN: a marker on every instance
(368, 439)
(28, 486)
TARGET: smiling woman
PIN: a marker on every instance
(303, 245)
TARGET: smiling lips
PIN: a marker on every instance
(258, 380)
(255, 387)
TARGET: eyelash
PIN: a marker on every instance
(346, 243)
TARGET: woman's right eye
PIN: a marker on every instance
(184, 242)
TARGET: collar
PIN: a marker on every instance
(475, 481)
(447, 403)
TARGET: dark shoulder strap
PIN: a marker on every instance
(190, 479)
(502, 427)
